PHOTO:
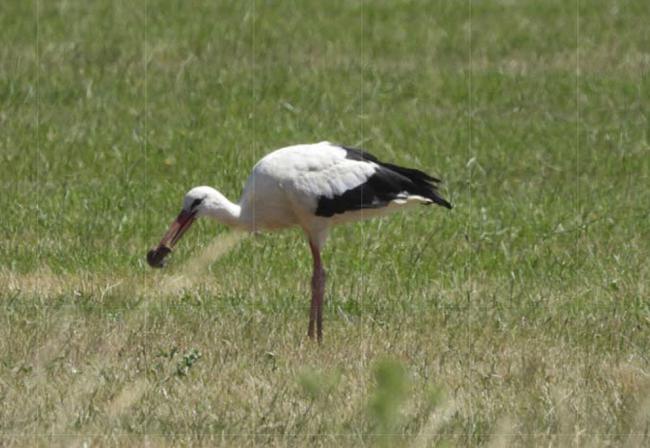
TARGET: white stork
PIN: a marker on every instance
(313, 186)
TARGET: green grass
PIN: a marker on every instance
(522, 317)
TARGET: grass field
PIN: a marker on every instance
(522, 317)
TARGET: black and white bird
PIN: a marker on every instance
(313, 186)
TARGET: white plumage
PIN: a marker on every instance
(313, 186)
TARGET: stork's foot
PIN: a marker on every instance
(315, 332)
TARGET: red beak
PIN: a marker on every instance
(176, 230)
(183, 221)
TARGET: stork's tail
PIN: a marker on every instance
(435, 197)
(422, 184)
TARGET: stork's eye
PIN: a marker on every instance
(195, 203)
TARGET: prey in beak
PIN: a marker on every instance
(156, 256)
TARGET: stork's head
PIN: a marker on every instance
(198, 200)
(196, 203)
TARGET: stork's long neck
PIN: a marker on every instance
(218, 207)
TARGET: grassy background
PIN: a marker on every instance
(521, 317)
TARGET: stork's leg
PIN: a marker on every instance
(317, 295)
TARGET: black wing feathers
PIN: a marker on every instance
(389, 182)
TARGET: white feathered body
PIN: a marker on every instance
(285, 187)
